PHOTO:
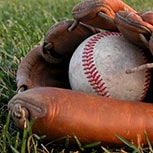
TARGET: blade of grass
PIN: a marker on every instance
(17, 141)
(148, 142)
(90, 145)
(24, 141)
(26, 132)
(3, 137)
(78, 143)
(14, 150)
(105, 150)
(135, 148)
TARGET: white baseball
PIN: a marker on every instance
(99, 66)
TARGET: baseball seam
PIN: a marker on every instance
(92, 74)
(147, 79)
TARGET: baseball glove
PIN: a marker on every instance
(61, 112)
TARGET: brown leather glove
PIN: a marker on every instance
(34, 71)
(136, 27)
(60, 42)
(61, 112)
(47, 64)
(99, 13)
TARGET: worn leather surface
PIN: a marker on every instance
(61, 112)
(88, 12)
(34, 71)
(60, 42)
(136, 27)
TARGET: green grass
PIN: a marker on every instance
(23, 24)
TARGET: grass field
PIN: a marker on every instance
(23, 24)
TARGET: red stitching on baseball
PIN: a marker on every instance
(89, 67)
(147, 79)
(92, 74)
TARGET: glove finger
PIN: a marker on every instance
(89, 117)
(34, 71)
(134, 27)
(99, 13)
(60, 42)
(148, 17)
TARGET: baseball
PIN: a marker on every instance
(99, 66)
